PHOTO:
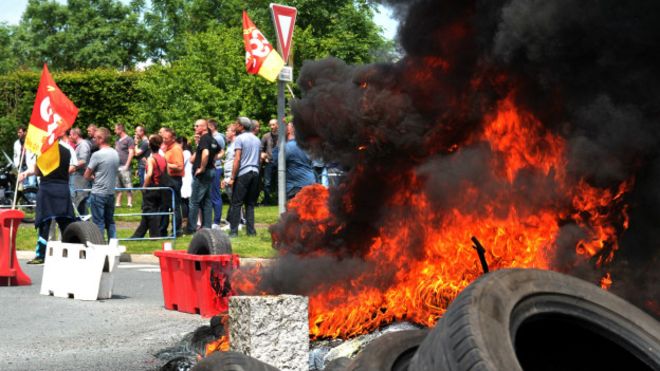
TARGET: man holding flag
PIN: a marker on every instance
(53, 114)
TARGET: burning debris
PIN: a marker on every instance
(195, 346)
(531, 125)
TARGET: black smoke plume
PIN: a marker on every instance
(587, 69)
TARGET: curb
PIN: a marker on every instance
(138, 258)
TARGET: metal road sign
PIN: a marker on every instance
(284, 18)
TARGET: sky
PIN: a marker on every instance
(11, 11)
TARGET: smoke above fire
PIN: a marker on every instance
(531, 125)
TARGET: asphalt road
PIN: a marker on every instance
(39, 332)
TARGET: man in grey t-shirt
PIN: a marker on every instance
(102, 169)
(245, 176)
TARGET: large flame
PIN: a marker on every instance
(515, 234)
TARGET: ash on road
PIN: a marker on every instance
(40, 332)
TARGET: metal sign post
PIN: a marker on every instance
(284, 18)
(281, 142)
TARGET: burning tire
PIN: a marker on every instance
(210, 242)
(390, 352)
(232, 361)
(539, 320)
(81, 232)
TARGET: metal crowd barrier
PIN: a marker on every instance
(18, 206)
(171, 213)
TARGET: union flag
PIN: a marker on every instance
(260, 57)
(52, 115)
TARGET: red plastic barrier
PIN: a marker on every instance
(11, 273)
(187, 279)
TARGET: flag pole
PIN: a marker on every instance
(18, 171)
(13, 206)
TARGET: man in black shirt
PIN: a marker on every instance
(203, 173)
(53, 199)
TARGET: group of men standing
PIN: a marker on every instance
(230, 162)
(238, 174)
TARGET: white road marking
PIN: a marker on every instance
(135, 266)
(149, 268)
(153, 270)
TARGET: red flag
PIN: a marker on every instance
(52, 115)
(260, 57)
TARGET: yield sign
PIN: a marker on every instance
(284, 18)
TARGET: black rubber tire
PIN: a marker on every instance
(210, 242)
(338, 364)
(390, 352)
(232, 361)
(527, 319)
(81, 232)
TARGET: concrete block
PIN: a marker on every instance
(272, 329)
(80, 271)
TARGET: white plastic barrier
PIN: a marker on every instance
(80, 271)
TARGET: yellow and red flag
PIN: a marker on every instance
(52, 115)
(260, 57)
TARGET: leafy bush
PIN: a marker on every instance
(102, 96)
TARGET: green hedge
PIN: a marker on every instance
(102, 96)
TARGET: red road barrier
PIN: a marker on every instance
(11, 273)
(188, 281)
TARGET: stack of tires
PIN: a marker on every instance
(514, 319)
(530, 319)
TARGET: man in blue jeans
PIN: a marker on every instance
(203, 175)
(216, 193)
(102, 170)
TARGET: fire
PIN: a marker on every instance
(220, 345)
(420, 261)
(522, 143)
(606, 281)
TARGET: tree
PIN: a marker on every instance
(169, 21)
(346, 32)
(8, 60)
(341, 28)
(166, 22)
(208, 80)
(81, 34)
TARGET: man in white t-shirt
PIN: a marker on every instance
(29, 160)
(228, 165)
